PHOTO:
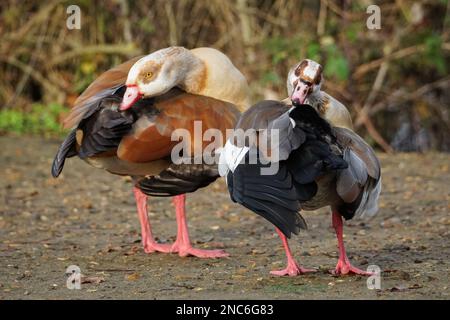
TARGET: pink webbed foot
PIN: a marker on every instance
(344, 267)
(183, 245)
(188, 250)
(148, 242)
(292, 270)
(152, 246)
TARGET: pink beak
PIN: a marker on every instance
(131, 95)
(300, 93)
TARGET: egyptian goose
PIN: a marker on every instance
(317, 166)
(304, 84)
(126, 121)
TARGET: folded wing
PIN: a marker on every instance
(359, 185)
(305, 148)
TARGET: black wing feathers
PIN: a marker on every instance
(179, 179)
(308, 119)
(66, 150)
(271, 196)
(348, 210)
(104, 130)
(316, 156)
(278, 197)
(103, 127)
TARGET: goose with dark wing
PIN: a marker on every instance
(126, 123)
(317, 165)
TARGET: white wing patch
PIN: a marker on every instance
(230, 157)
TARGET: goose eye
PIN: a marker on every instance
(306, 82)
(148, 75)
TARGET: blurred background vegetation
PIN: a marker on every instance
(394, 80)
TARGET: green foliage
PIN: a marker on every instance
(82, 82)
(277, 35)
(352, 31)
(280, 48)
(271, 77)
(313, 51)
(337, 64)
(10, 14)
(146, 25)
(40, 120)
(433, 53)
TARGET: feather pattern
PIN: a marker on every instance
(273, 197)
(350, 181)
(138, 141)
(269, 120)
(179, 179)
(360, 185)
(307, 142)
(323, 166)
(66, 150)
(106, 85)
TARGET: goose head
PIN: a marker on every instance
(157, 73)
(304, 81)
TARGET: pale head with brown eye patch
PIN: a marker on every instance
(304, 81)
(157, 73)
(148, 74)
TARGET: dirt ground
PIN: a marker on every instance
(87, 218)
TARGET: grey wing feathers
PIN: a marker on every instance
(369, 202)
(90, 105)
(286, 141)
(360, 183)
(348, 138)
(251, 121)
(258, 116)
(275, 128)
(350, 181)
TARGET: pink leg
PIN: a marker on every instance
(343, 266)
(149, 243)
(292, 269)
(183, 245)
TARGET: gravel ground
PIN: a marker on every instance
(87, 218)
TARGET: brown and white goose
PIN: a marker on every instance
(317, 165)
(304, 84)
(126, 120)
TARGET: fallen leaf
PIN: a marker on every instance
(132, 251)
(404, 288)
(398, 288)
(94, 279)
(215, 245)
(132, 277)
(205, 239)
